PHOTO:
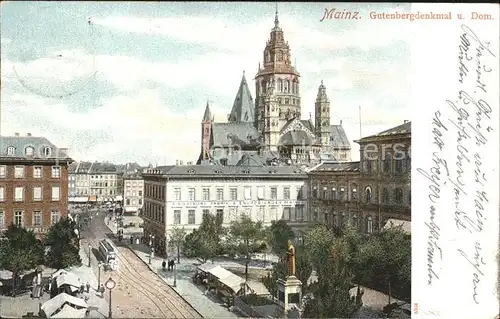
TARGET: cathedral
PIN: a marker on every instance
(269, 130)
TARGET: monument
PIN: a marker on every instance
(290, 288)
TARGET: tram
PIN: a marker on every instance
(107, 250)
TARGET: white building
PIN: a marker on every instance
(178, 196)
(133, 192)
(79, 182)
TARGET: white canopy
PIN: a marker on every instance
(69, 279)
(69, 312)
(50, 306)
(227, 278)
(258, 288)
(206, 267)
(59, 272)
(404, 224)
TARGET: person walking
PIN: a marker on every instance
(88, 287)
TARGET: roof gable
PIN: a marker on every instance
(226, 134)
(42, 148)
(243, 106)
(297, 125)
(338, 137)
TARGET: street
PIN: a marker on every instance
(139, 292)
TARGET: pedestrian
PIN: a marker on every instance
(101, 290)
(88, 287)
(82, 288)
(163, 264)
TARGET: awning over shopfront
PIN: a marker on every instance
(131, 209)
(118, 198)
(81, 199)
(403, 224)
(93, 198)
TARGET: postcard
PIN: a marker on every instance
(225, 160)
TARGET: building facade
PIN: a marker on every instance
(368, 193)
(33, 182)
(79, 182)
(106, 182)
(178, 196)
(272, 125)
(133, 192)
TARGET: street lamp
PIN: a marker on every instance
(99, 273)
(90, 249)
(175, 274)
(110, 284)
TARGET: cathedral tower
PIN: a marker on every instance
(279, 70)
(271, 119)
(322, 116)
(206, 133)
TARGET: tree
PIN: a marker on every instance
(177, 238)
(331, 293)
(270, 280)
(384, 263)
(64, 245)
(248, 234)
(318, 242)
(20, 251)
(205, 242)
(278, 235)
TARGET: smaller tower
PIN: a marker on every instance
(322, 116)
(271, 118)
(206, 133)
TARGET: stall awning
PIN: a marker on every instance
(233, 281)
(68, 279)
(219, 272)
(206, 267)
(69, 312)
(50, 306)
(403, 224)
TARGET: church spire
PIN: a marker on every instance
(207, 117)
(276, 21)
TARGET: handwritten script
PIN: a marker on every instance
(461, 128)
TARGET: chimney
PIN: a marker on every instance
(177, 162)
(16, 134)
(181, 163)
(29, 134)
(405, 121)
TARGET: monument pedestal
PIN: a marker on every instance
(289, 292)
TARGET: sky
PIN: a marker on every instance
(129, 81)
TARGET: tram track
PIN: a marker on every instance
(168, 302)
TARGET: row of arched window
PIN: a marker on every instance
(343, 219)
(389, 165)
(283, 86)
(336, 193)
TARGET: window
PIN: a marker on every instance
(3, 171)
(299, 213)
(18, 218)
(47, 151)
(287, 213)
(19, 194)
(37, 193)
(355, 221)
(385, 196)
(55, 193)
(315, 192)
(19, 172)
(233, 193)
(387, 163)
(369, 168)
(11, 150)
(177, 193)
(56, 171)
(206, 194)
(205, 212)
(191, 217)
(127, 201)
(37, 172)
(334, 193)
(29, 151)
(274, 193)
(325, 193)
(220, 214)
(342, 194)
(177, 217)
(140, 201)
(399, 166)
(368, 194)
(54, 217)
(286, 193)
(220, 193)
(398, 196)
(191, 194)
(140, 193)
(260, 192)
(2, 219)
(369, 225)
(248, 192)
(273, 213)
(2, 194)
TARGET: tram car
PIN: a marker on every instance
(107, 250)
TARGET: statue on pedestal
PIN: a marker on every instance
(291, 259)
